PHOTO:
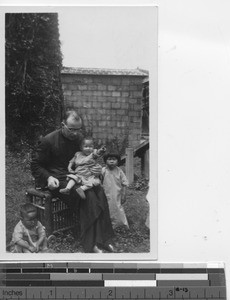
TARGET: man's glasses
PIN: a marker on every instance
(71, 129)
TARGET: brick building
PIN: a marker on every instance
(110, 101)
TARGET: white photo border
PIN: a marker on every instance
(153, 184)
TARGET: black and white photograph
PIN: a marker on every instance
(80, 132)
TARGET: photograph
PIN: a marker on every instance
(80, 132)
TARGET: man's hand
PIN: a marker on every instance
(96, 170)
(53, 183)
(70, 170)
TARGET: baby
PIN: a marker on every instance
(87, 170)
(29, 235)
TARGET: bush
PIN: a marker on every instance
(34, 97)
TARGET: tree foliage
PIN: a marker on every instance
(33, 59)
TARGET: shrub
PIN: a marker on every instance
(34, 97)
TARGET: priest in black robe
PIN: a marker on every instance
(49, 168)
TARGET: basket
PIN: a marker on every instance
(53, 213)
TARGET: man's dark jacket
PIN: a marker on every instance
(52, 157)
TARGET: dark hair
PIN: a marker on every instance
(71, 113)
(27, 208)
(86, 138)
(112, 154)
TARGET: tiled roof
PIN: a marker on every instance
(98, 71)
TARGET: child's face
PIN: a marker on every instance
(111, 162)
(30, 220)
(87, 147)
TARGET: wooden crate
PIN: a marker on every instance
(53, 213)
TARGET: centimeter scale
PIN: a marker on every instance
(111, 280)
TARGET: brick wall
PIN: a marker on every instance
(111, 106)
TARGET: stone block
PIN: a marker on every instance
(133, 113)
(116, 130)
(103, 117)
(107, 105)
(125, 118)
(87, 80)
(91, 111)
(72, 98)
(121, 124)
(97, 93)
(133, 101)
(64, 86)
(135, 120)
(109, 129)
(116, 80)
(116, 94)
(76, 93)
(133, 88)
(73, 87)
(97, 104)
(86, 104)
(101, 111)
(102, 123)
(67, 78)
(103, 137)
(121, 100)
(112, 88)
(88, 93)
(106, 94)
(135, 131)
(116, 105)
(67, 93)
(136, 80)
(125, 81)
(84, 110)
(82, 87)
(125, 94)
(97, 79)
(101, 87)
(137, 94)
(124, 88)
(137, 107)
(93, 98)
(121, 112)
(92, 87)
(112, 124)
(124, 105)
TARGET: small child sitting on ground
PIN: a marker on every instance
(29, 234)
(87, 170)
(114, 184)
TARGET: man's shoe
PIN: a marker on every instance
(109, 248)
(65, 191)
(97, 250)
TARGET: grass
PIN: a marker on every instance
(134, 240)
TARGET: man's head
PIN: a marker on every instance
(72, 125)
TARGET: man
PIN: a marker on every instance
(49, 168)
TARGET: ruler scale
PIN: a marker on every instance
(111, 280)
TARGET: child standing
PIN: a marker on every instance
(114, 184)
(29, 235)
(87, 170)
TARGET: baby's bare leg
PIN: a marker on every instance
(81, 190)
(71, 183)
